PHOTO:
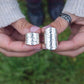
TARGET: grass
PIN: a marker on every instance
(44, 67)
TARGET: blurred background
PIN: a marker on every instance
(44, 67)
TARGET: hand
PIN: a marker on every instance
(75, 45)
(12, 39)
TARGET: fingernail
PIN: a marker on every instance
(34, 29)
(46, 26)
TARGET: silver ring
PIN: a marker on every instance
(32, 38)
(50, 38)
(66, 17)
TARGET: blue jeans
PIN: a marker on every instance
(38, 1)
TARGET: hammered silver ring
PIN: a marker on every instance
(50, 38)
(32, 39)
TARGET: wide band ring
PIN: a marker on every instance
(32, 38)
(50, 38)
(66, 17)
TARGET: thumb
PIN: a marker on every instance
(61, 24)
(23, 27)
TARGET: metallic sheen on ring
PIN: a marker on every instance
(50, 38)
(32, 38)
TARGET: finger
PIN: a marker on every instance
(80, 21)
(10, 31)
(72, 53)
(17, 54)
(75, 28)
(23, 27)
(75, 43)
(17, 36)
(7, 43)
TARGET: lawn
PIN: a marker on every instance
(44, 67)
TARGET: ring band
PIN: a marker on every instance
(66, 17)
(32, 38)
(50, 38)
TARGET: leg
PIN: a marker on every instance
(35, 12)
(55, 8)
(33, 1)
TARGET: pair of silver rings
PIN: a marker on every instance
(50, 38)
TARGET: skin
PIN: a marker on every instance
(12, 40)
(75, 44)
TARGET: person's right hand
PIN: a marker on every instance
(12, 39)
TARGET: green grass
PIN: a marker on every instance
(44, 67)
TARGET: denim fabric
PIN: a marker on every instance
(34, 1)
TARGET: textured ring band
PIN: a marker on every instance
(66, 17)
(50, 38)
(32, 38)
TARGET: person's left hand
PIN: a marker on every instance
(75, 45)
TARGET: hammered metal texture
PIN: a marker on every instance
(50, 38)
(32, 38)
